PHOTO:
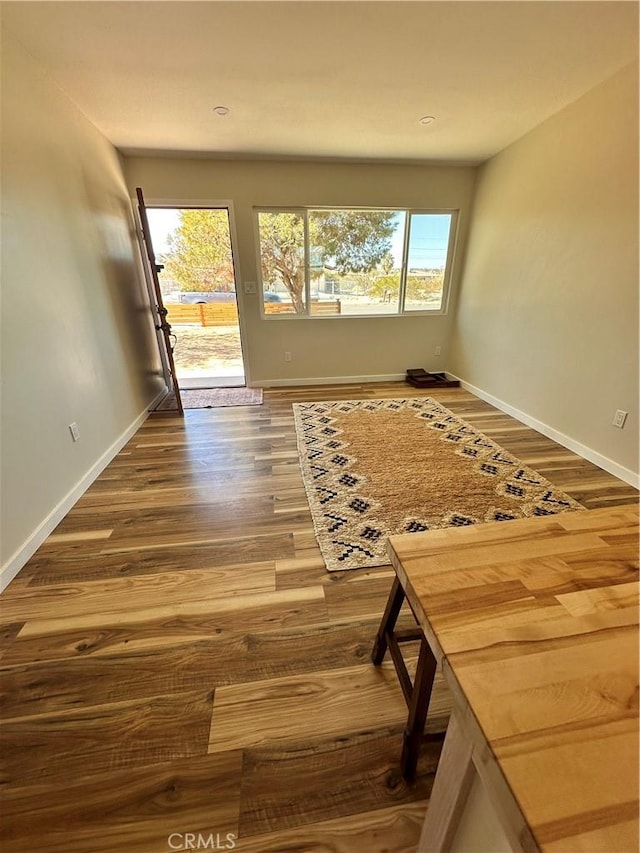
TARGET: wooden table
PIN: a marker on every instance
(535, 625)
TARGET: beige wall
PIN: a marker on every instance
(77, 339)
(547, 318)
(327, 347)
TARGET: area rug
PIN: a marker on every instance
(375, 468)
(212, 398)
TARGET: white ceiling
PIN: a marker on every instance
(325, 79)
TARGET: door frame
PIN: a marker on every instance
(207, 204)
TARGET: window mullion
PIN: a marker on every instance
(307, 265)
(405, 261)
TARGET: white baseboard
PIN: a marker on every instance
(588, 453)
(327, 380)
(13, 565)
(150, 407)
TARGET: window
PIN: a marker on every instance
(426, 265)
(352, 262)
(282, 257)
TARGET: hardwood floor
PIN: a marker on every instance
(176, 659)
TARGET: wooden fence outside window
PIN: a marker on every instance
(226, 313)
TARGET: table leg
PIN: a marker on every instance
(418, 708)
(392, 610)
(450, 790)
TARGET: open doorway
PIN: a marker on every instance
(198, 285)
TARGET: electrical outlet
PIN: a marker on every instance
(437, 350)
(287, 356)
(619, 418)
(250, 287)
(74, 430)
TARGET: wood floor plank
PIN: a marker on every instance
(120, 595)
(8, 633)
(332, 645)
(169, 625)
(146, 494)
(60, 685)
(205, 530)
(113, 562)
(388, 829)
(347, 595)
(341, 776)
(300, 571)
(334, 701)
(134, 810)
(229, 658)
(83, 536)
(60, 747)
(167, 525)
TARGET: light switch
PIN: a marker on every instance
(249, 287)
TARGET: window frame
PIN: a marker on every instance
(448, 264)
(304, 211)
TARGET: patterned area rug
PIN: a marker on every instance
(376, 468)
(212, 398)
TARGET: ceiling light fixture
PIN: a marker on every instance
(425, 120)
(221, 111)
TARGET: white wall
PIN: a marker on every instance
(321, 347)
(479, 828)
(547, 318)
(77, 339)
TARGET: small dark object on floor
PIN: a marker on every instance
(419, 378)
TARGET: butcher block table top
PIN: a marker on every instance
(535, 623)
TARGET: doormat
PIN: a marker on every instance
(376, 468)
(213, 398)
